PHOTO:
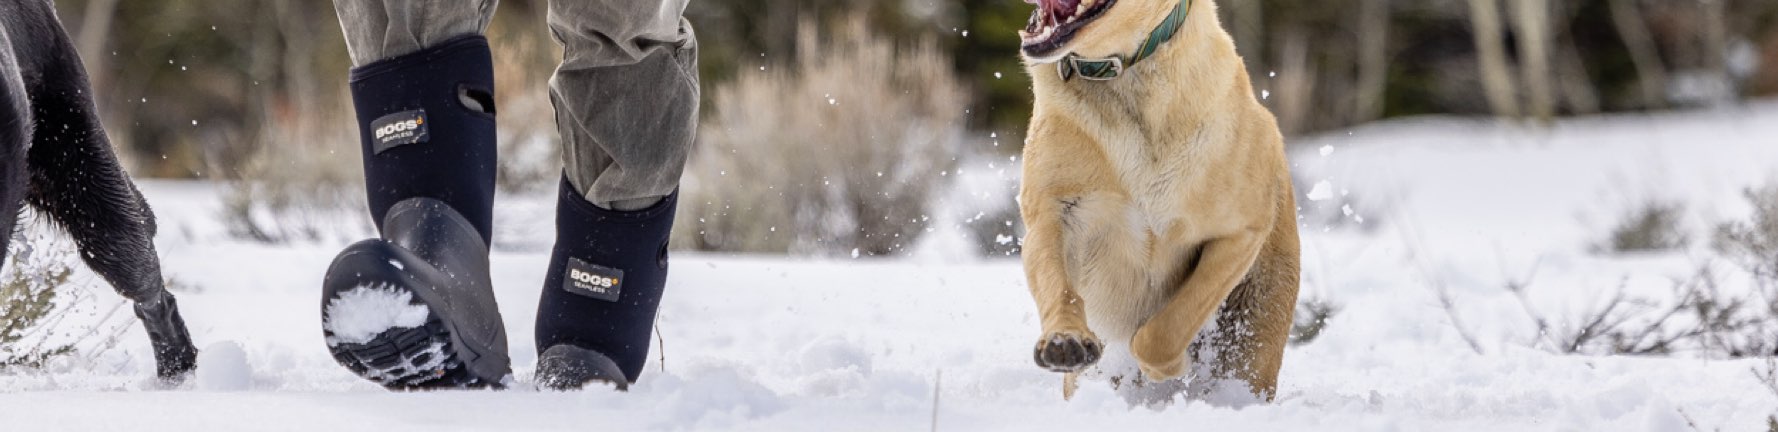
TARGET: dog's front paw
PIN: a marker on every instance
(1159, 359)
(1068, 351)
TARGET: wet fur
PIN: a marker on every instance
(55, 156)
(1157, 202)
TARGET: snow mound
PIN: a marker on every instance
(711, 396)
(361, 313)
(223, 366)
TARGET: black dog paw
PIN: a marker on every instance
(1067, 352)
(175, 363)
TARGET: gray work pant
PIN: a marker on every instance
(626, 93)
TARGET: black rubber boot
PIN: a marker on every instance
(603, 287)
(415, 308)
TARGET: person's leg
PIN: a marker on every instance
(626, 99)
(381, 29)
(415, 308)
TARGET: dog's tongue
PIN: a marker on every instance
(1055, 10)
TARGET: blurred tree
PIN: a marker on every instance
(188, 87)
(1491, 57)
(1651, 76)
(1530, 20)
(1373, 68)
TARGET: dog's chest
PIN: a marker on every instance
(1129, 252)
(1133, 247)
(1160, 180)
(1128, 260)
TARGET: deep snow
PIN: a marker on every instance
(766, 343)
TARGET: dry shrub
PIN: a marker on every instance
(1649, 227)
(292, 163)
(1699, 317)
(299, 182)
(837, 153)
(35, 274)
(1767, 375)
(1753, 243)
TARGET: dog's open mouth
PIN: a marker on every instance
(1054, 23)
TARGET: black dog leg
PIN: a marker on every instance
(76, 180)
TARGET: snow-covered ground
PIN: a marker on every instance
(766, 343)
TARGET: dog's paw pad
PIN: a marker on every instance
(1068, 352)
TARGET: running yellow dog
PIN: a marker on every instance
(1156, 194)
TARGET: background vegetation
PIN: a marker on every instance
(252, 92)
(250, 72)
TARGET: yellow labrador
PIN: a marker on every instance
(1156, 194)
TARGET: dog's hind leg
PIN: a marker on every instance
(76, 180)
(1254, 325)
